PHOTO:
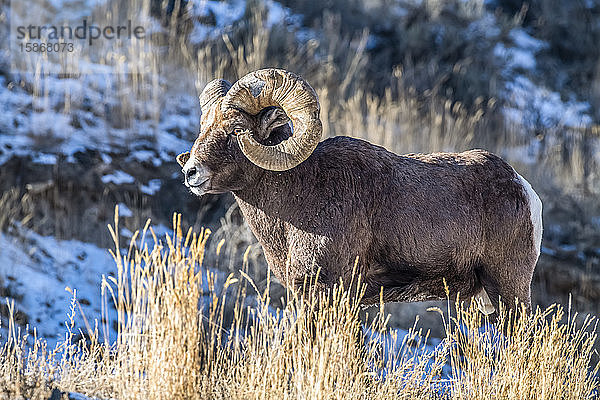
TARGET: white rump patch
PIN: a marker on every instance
(535, 209)
(484, 303)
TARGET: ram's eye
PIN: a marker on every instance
(238, 131)
(231, 137)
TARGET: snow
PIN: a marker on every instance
(67, 115)
(78, 396)
(118, 177)
(524, 41)
(522, 53)
(53, 124)
(535, 106)
(486, 27)
(548, 251)
(38, 269)
(531, 105)
(142, 155)
(395, 348)
(124, 211)
(276, 13)
(43, 158)
(152, 187)
(10, 145)
(13, 102)
(224, 13)
(515, 58)
(106, 159)
(126, 233)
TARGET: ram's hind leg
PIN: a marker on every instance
(510, 290)
(484, 303)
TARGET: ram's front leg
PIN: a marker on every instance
(309, 281)
(320, 267)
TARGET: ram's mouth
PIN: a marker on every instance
(199, 184)
(200, 188)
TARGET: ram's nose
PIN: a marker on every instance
(190, 174)
(194, 176)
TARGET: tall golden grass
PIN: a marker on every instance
(175, 340)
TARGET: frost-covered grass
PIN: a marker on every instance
(174, 340)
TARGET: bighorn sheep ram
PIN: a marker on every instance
(413, 220)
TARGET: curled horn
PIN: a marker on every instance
(277, 87)
(212, 92)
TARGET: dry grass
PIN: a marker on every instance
(174, 341)
(534, 356)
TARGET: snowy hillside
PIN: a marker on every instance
(38, 270)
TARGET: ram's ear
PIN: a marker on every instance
(182, 158)
(273, 123)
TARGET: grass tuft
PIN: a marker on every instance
(176, 339)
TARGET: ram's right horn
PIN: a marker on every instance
(277, 87)
(213, 91)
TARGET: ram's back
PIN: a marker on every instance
(432, 211)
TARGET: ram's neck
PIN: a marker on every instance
(275, 194)
(264, 207)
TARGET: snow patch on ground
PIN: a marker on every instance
(520, 54)
(66, 115)
(486, 27)
(28, 122)
(47, 159)
(515, 57)
(124, 211)
(524, 41)
(152, 187)
(78, 396)
(118, 177)
(537, 107)
(218, 16)
(145, 156)
(37, 270)
(529, 104)
(396, 348)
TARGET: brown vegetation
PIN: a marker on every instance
(167, 347)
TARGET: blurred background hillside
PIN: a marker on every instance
(521, 79)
